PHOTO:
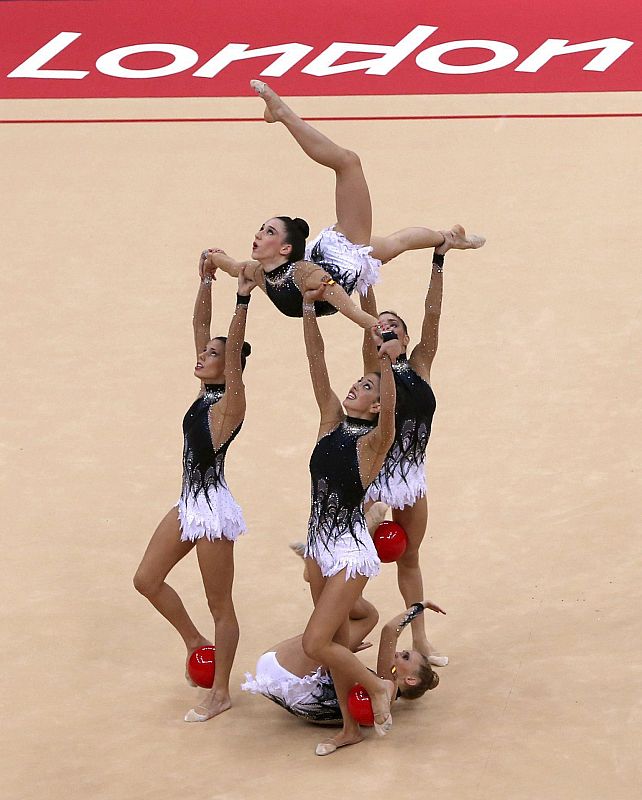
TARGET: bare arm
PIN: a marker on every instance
(369, 349)
(423, 354)
(219, 259)
(391, 632)
(372, 447)
(310, 277)
(329, 405)
(230, 411)
(202, 317)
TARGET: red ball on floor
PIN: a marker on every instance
(202, 665)
(390, 540)
(359, 705)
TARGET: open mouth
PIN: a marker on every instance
(351, 396)
(198, 365)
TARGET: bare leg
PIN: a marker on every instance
(216, 560)
(413, 519)
(333, 600)
(350, 732)
(352, 197)
(163, 552)
(363, 617)
(385, 248)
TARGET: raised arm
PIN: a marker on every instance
(391, 632)
(230, 411)
(369, 348)
(423, 354)
(202, 318)
(373, 446)
(330, 407)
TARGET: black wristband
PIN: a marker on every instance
(415, 610)
(243, 299)
(438, 260)
(389, 336)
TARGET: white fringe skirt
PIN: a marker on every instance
(349, 258)
(212, 514)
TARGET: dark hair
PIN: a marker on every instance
(297, 231)
(427, 679)
(394, 314)
(245, 350)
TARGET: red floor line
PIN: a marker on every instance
(319, 119)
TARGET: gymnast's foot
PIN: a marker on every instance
(456, 239)
(435, 659)
(381, 703)
(299, 549)
(202, 642)
(215, 703)
(275, 108)
(342, 739)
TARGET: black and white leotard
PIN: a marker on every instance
(206, 507)
(312, 698)
(338, 537)
(350, 265)
(402, 479)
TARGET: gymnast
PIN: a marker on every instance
(206, 516)
(340, 554)
(401, 483)
(302, 686)
(344, 256)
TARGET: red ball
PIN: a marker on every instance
(201, 666)
(359, 705)
(391, 541)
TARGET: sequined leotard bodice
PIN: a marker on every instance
(337, 490)
(414, 410)
(203, 465)
(284, 293)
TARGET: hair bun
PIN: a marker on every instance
(246, 349)
(302, 225)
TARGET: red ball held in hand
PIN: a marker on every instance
(202, 665)
(390, 540)
(359, 705)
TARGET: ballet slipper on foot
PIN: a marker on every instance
(383, 727)
(328, 746)
(456, 239)
(275, 108)
(298, 548)
(325, 748)
(193, 716)
(438, 661)
(258, 86)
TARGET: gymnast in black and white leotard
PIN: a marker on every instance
(339, 552)
(206, 516)
(304, 688)
(344, 256)
(401, 483)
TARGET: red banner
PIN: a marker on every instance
(196, 48)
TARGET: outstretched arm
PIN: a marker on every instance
(230, 411)
(369, 349)
(202, 318)
(423, 354)
(391, 632)
(329, 404)
(219, 259)
(373, 446)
